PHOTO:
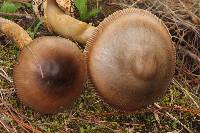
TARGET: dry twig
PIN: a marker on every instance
(178, 85)
(5, 126)
(18, 15)
(5, 75)
(192, 55)
(195, 19)
(173, 118)
(25, 126)
(19, 1)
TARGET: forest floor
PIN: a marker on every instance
(178, 111)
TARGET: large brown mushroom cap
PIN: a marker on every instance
(50, 74)
(131, 59)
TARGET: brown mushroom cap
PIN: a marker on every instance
(131, 59)
(50, 74)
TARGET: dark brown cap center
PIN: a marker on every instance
(59, 71)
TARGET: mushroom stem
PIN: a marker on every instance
(14, 32)
(66, 25)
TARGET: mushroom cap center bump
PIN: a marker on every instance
(131, 59)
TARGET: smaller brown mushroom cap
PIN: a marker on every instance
(50, 74)
(131, 59)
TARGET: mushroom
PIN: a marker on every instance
(130, 59)
(59, 22)
(15, 32)
(50, 72)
